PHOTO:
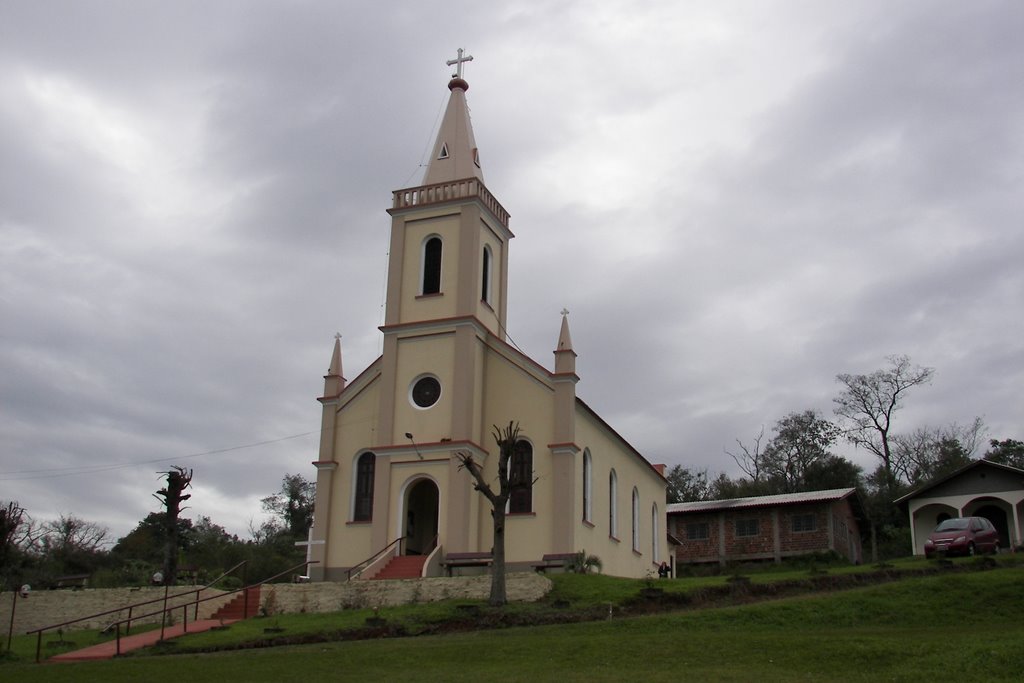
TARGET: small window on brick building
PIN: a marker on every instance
(698, 531)
(746, 527)
(806, 522)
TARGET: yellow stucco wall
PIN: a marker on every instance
(487, 312)
(355, 428)
(446, 226)
(511, 390)
(607, 452)
(416, 356)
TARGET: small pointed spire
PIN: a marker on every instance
(335, 368)
(564, 340)
(565, 356)
(455, 154)
(334, 381)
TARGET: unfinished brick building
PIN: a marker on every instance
(767, 527)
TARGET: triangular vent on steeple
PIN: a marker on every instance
(444, 152)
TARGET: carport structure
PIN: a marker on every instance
(980, 489)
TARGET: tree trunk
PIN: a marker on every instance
(171, 548)
(172, 496)
(498, 593)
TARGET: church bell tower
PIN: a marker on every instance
(447, 292)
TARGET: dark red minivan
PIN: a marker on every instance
(962, 536)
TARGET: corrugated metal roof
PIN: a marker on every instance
(761, 501)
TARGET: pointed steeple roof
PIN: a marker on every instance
(334, 381)
(455, 153)
(564, 340)
(335, 369)
(565, 355)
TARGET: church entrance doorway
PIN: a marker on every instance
(421, 506)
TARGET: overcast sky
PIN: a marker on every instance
(735, 200)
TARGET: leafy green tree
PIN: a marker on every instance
(147, 543)
(801, 440)
(685, 485)
(723, 487)
(293, 504)
(793, 460)
(833, 472)
(211, 550)
(12, 519)
(1006, 452)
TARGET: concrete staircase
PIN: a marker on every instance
(235, 609)
(403, 567)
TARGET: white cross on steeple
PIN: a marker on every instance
(458, 63)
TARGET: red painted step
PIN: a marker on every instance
(237, 607)
(403, 567)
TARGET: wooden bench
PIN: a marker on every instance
(73, 581)
(455, 560)
(554, 561)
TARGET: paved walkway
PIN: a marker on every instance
(108, 649)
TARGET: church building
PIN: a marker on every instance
(389, 487)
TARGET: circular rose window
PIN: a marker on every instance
(426, 391)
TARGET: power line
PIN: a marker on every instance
(55, 472)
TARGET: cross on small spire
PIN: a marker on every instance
(337, 336)
(457, 62)
(565, 311)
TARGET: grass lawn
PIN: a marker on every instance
(961, 626)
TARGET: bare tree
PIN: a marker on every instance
(506, 439)
(749, 458)
(172, 496)
(869, 401)
(68, 533)
(929, 452)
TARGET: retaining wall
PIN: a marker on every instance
(45, 608)
(334, 597)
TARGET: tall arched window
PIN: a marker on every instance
(520, 475)
(636, 520)
(362, 510)
(485, 285)
(613, 506)
(431, 266)
(655, 546)
(588, 485)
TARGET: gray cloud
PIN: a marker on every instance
(736, 204)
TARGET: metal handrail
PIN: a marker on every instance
(356, 569)
(166, 610)
(133, 605)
